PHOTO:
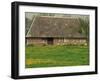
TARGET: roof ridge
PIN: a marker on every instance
(59, 17)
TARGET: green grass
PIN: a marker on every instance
(53, 56)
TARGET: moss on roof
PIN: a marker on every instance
(55, 27)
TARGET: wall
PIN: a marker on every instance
(36, 41)
(66, 41)
(5, 41)
(55, 41)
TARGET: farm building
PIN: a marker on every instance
(46, 30)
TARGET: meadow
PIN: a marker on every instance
(55, 56)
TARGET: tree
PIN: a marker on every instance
(84, 27)
(27, 24)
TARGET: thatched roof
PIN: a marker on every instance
(55, 27)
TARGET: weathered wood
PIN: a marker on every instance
(56, 41)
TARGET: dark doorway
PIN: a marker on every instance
(50, 41)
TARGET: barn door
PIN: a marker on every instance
(50, 41)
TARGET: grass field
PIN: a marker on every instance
(52, 56)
